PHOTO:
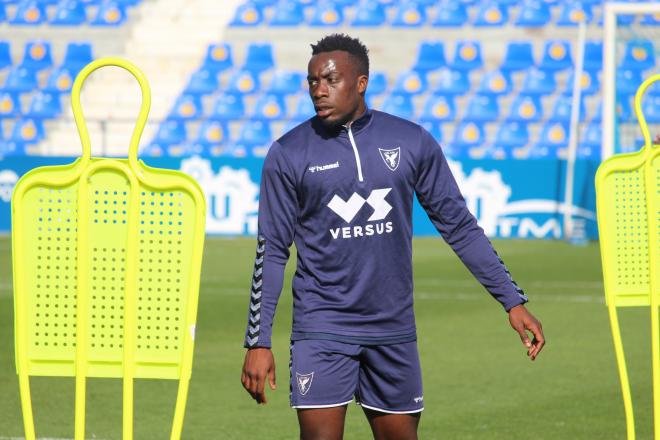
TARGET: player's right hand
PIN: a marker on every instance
(258, 366)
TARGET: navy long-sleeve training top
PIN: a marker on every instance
(345, 197)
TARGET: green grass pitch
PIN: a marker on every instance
(478, 382)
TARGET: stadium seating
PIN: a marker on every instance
(409, 14)
(492, 13)
(526, 108)
(369, 13)
(203, 81)
(431, 56)
(450, 14)
(574, 12)
(467, 56)
(218, 57)
(482, 108)
(411, 83)
(287, 13)
(534, 13)
(556, 55)
(519, 56)
(639, 55)
(439, 108)
(400, 105)
(228, 106)
(327, 14)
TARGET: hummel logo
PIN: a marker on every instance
(349, 209)
(315, 168)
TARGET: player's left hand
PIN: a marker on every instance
(521, 321)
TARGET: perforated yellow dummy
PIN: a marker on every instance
(107, 255)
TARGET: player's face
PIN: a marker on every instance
(336, 88)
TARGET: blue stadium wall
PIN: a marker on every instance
(511, 198)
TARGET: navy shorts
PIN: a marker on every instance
(384, 378)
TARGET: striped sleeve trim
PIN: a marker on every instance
(254, 319)
(519, 290)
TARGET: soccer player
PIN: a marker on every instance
(341, 186)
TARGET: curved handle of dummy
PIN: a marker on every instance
(142, 116)
(640, 115)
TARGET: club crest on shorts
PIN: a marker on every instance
(391, 157)
(304, 382)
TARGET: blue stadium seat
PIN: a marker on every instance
(468, 135)
(27, 131)
(12, 149)
(303, 108)
(573, 12)
(286, 82)
(203, 81)
(526, 108)
(37, 55)
(409, 14)
(269, 106)
(9, 105)
(247, 14)
(259, 57)
(3, 12)
(590, 84)
(44, 105)
(512, 135)
(170, 132)
(264, 3)
(400, 105)
(218, 57)
(554, 136)
(639, 55)
(491, 13)
(430, 56)
(369, 13)
(377, 83)
(593, 55)
(287, 13)
(29, 12)
(255, 134)
(184, 149)
(77, 56)
(562, 108)
(5, 55)
(556, 55)
(439, 108)
(110, 13)
(342, 3)
(411, 82)
(496, 82)
(20, 79)
(450, 13)
(228, 106)
(627, 81)
(186, 107)
(651, 108)
(592, 136)
(453, 82)
(213, 135)
(327, 13)
(650, 20)
(467, 56)
(519, 56)
(244, 81)
(539, 82)
(69, 13)
(60, 80)
(534, 13)
(153, 150)
(482, 108)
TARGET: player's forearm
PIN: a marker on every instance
(265, 289)
(477, 253)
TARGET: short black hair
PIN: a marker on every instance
(353, 46)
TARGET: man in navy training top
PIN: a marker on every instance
(341, 186)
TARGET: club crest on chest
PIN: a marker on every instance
(391, 157)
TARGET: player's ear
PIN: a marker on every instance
(363, 80)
